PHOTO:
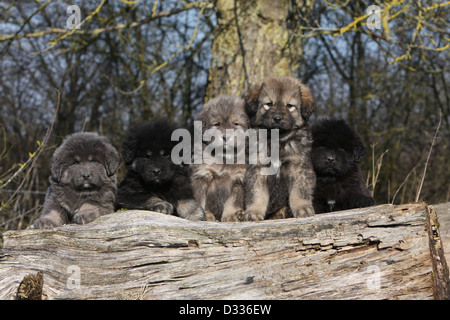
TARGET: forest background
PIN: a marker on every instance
(68, 66)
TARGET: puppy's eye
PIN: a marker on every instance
(217, 124)
(268, 105)
(94, 161)
(75, 163)
(164, 153)
(291, 107)
(235, 124)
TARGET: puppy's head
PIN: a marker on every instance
(85, 161)
(147, 152)
(227, 115)
(283, 103)
(336, 149)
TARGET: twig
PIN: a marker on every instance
(428, 158)
(376, 173)
(32, 159)
(404, 181)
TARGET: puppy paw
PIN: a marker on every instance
(163, 207)
(196, 215)
(253, 215)
(190, 209)
(210, 216)
(303, 211)
(233, 217)
(85, 217)
(49, 219)
(86, 214)
(43, 223)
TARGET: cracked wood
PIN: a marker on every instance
(380, 252)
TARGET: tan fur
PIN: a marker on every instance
(219, 187)
(282, 103)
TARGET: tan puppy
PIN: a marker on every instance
(218, 187)
(282, 103)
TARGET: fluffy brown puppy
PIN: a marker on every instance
(282, 103)
(82, 182)
(219, 186)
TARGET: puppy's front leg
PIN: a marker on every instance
(200, 184)
(256, 195)
(300, 193)
(52, 215)
(233, 208)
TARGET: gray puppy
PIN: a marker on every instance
(82, 183)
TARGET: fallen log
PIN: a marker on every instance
(381, 252)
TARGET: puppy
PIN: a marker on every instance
(284, 104)
(219, 185)
(82, 182)
(153, 182)
(337, 150)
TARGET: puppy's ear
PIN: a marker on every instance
(359, 149)
(57, 168)
(308, 104)
(129, 150)
(112, 158)
(251, 98)
(60, 162)
(203, 117)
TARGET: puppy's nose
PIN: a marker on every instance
(277, 119)
(156, 171)
(86, 176)
(330, 159)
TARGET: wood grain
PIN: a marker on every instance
(380, 252)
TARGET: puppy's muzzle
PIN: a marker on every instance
(86, 176)
(277, 119)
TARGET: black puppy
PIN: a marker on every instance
(153, 182)
(336, 152)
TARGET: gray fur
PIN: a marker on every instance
(82, 183)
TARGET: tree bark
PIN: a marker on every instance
(382, 252)
(252, 39)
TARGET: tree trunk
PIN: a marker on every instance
(382, 252)
(252, 39)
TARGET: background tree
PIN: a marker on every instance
(131, 61)
(252, 39)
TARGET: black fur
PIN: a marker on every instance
(153, 182)
(336, 152)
